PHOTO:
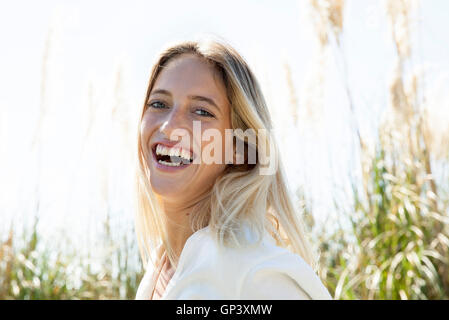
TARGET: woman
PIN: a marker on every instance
(211, 224)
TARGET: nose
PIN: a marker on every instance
(175, 125)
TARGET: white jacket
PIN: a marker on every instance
(208, 271)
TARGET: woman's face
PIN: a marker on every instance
(187, 90)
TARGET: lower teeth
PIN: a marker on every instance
(170, 164)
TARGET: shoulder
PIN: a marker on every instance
(285, 276)
(257, 271)
(147, 282)
(263, 271)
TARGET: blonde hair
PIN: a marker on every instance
(240, 195)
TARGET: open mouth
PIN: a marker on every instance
(171, 157)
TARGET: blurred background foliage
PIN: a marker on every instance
(30, 269)
(397, 245)
(391, 243)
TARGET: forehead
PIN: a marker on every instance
(191, 75)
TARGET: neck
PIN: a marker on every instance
(178, 220)
(178, 225)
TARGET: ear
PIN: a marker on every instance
(233, 161)
(235, 158)
(238, 158)
(230, 143)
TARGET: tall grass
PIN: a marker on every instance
(30, 269)
(398, 244)
(35, 264)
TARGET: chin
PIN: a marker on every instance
(167, 189)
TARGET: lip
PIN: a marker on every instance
(164, 167)
(170, 144)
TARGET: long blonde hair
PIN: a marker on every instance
(240, 195)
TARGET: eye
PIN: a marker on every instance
(157, 105)
(204, 113)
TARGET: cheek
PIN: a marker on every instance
(146, 127)
(208, 174)
(217, 144)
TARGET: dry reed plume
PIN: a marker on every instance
(399, 247)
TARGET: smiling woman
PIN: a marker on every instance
(214, 229)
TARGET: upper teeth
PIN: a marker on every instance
(178, 152)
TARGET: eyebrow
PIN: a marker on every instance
(192, 97)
